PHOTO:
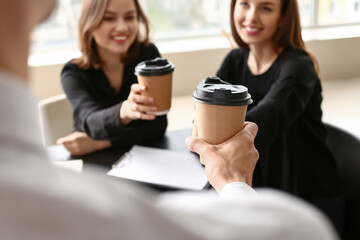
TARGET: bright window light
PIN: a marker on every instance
(172, 20)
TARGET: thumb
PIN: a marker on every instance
(137, 88)
(60, 141)
(195, 144)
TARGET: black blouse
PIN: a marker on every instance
(96, 105)
(291, 138)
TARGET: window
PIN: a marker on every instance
(306, 8)
(338, 12)
(180, 18)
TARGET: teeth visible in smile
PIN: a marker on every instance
(252, 29)
(120, 37)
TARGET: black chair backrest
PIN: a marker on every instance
(346, 150)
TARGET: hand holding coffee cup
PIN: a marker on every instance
(156, 76)
(220, 109)
(137, 106)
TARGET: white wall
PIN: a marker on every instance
(338, 59)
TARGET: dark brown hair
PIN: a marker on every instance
(287, 37)
(90, 18)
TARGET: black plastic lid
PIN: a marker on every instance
(154, 67)
(213, 90)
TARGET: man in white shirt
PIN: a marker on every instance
(39, 201)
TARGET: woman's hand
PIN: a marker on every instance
(137, 106)
(79, 143)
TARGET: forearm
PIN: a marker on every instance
(103, 124)
(277, 112)
(141, 131)
(79, 143)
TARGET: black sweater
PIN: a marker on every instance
(96, 104)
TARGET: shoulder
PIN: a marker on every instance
(151, 48)
(72, 72)
(296, 56)
(149, 51)
(236, 57)
(296, 62)
(71, 67)
(239, 54)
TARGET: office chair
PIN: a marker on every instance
(346, 150)
(55, 118)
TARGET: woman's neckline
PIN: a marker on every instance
(266, 71)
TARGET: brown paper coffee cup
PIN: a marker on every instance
(215, 124)
(220, 110)
(156, 75)
(160, 88)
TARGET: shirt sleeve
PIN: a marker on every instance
(269, 215)
(89, 115)
(236, 190)
(286, 100)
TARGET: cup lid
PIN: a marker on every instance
(154, 67)
(213, 90)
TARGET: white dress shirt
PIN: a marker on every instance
(40, 201)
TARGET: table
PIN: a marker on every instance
(173, 140)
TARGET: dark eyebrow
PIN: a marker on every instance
(268, 3)
(109, 12)
(114, 13)
(131, 12)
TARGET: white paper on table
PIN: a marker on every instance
(168, 168)
(73, 165)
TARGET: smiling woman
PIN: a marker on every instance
(282, 78)
(109, 108)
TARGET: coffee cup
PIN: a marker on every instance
(156, 75)
(220, 109)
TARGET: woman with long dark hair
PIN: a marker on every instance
(282, 78)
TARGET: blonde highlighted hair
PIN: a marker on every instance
(91, 17)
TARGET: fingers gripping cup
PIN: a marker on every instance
(220, 109)
(156, 75)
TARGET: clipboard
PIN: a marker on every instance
(160, 167)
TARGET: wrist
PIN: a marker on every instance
(223, 180)
(239, 177)
(124, 120)
(106, 144)
(101, 144)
